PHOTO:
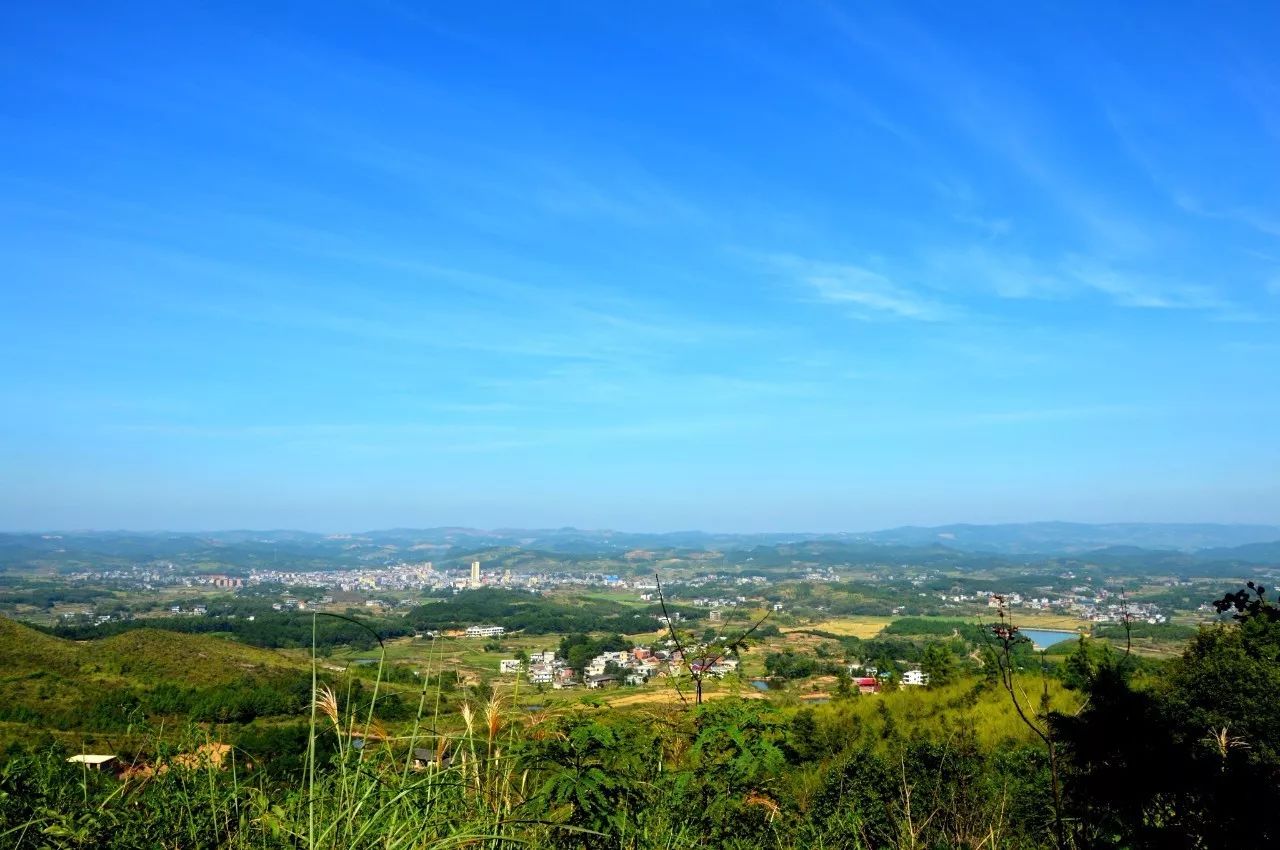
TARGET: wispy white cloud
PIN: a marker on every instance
(1012, 275)
(419, 312)
(967, 207)
(1258, 220)
(867, 293)
(1175, 184)
(1136, 290)
(956, 276)
(1007, 274)
(997, 116)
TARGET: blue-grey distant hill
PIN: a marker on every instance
(1064, 537)
(1179, 547)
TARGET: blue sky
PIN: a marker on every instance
(649, 266)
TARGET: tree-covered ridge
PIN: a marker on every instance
(537, 615)
(264, 628)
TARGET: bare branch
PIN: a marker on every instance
(675, 638)
(1007, 633)
(706, 656)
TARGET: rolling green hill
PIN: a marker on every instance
(151, 655)
(141, 656)
(111, 685)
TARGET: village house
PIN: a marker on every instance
(915, 678)
(724, 666)
(867, 684)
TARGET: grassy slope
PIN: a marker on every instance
(23, 650)
(50, 683)
(149, 655)
(141, 656)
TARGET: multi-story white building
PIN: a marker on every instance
(485, 631)
(915, 677)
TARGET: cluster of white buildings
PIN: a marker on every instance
(635, 666)
(293, 603)
(717, 667)
(720, 602)
(425, 576)
(98, 619)
(543, 668)
(419, 576)
(1142, 612)
(716, 578)
(1084, 602)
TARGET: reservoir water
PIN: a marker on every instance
(1045, 638)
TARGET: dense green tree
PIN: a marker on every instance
(939, 664)
(1191, 758)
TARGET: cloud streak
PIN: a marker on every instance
(865, 293)
(1005, 275)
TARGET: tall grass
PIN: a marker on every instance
(380, 791)
(373, 792)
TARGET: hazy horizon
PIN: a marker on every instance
(374, 529)
(661, 267)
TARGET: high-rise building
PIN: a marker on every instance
(475, 573)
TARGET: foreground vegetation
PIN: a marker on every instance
(1185, 757)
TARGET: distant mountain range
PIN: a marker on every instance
(1067, 537)
(1245, 543)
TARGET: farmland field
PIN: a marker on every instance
(863, 626)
